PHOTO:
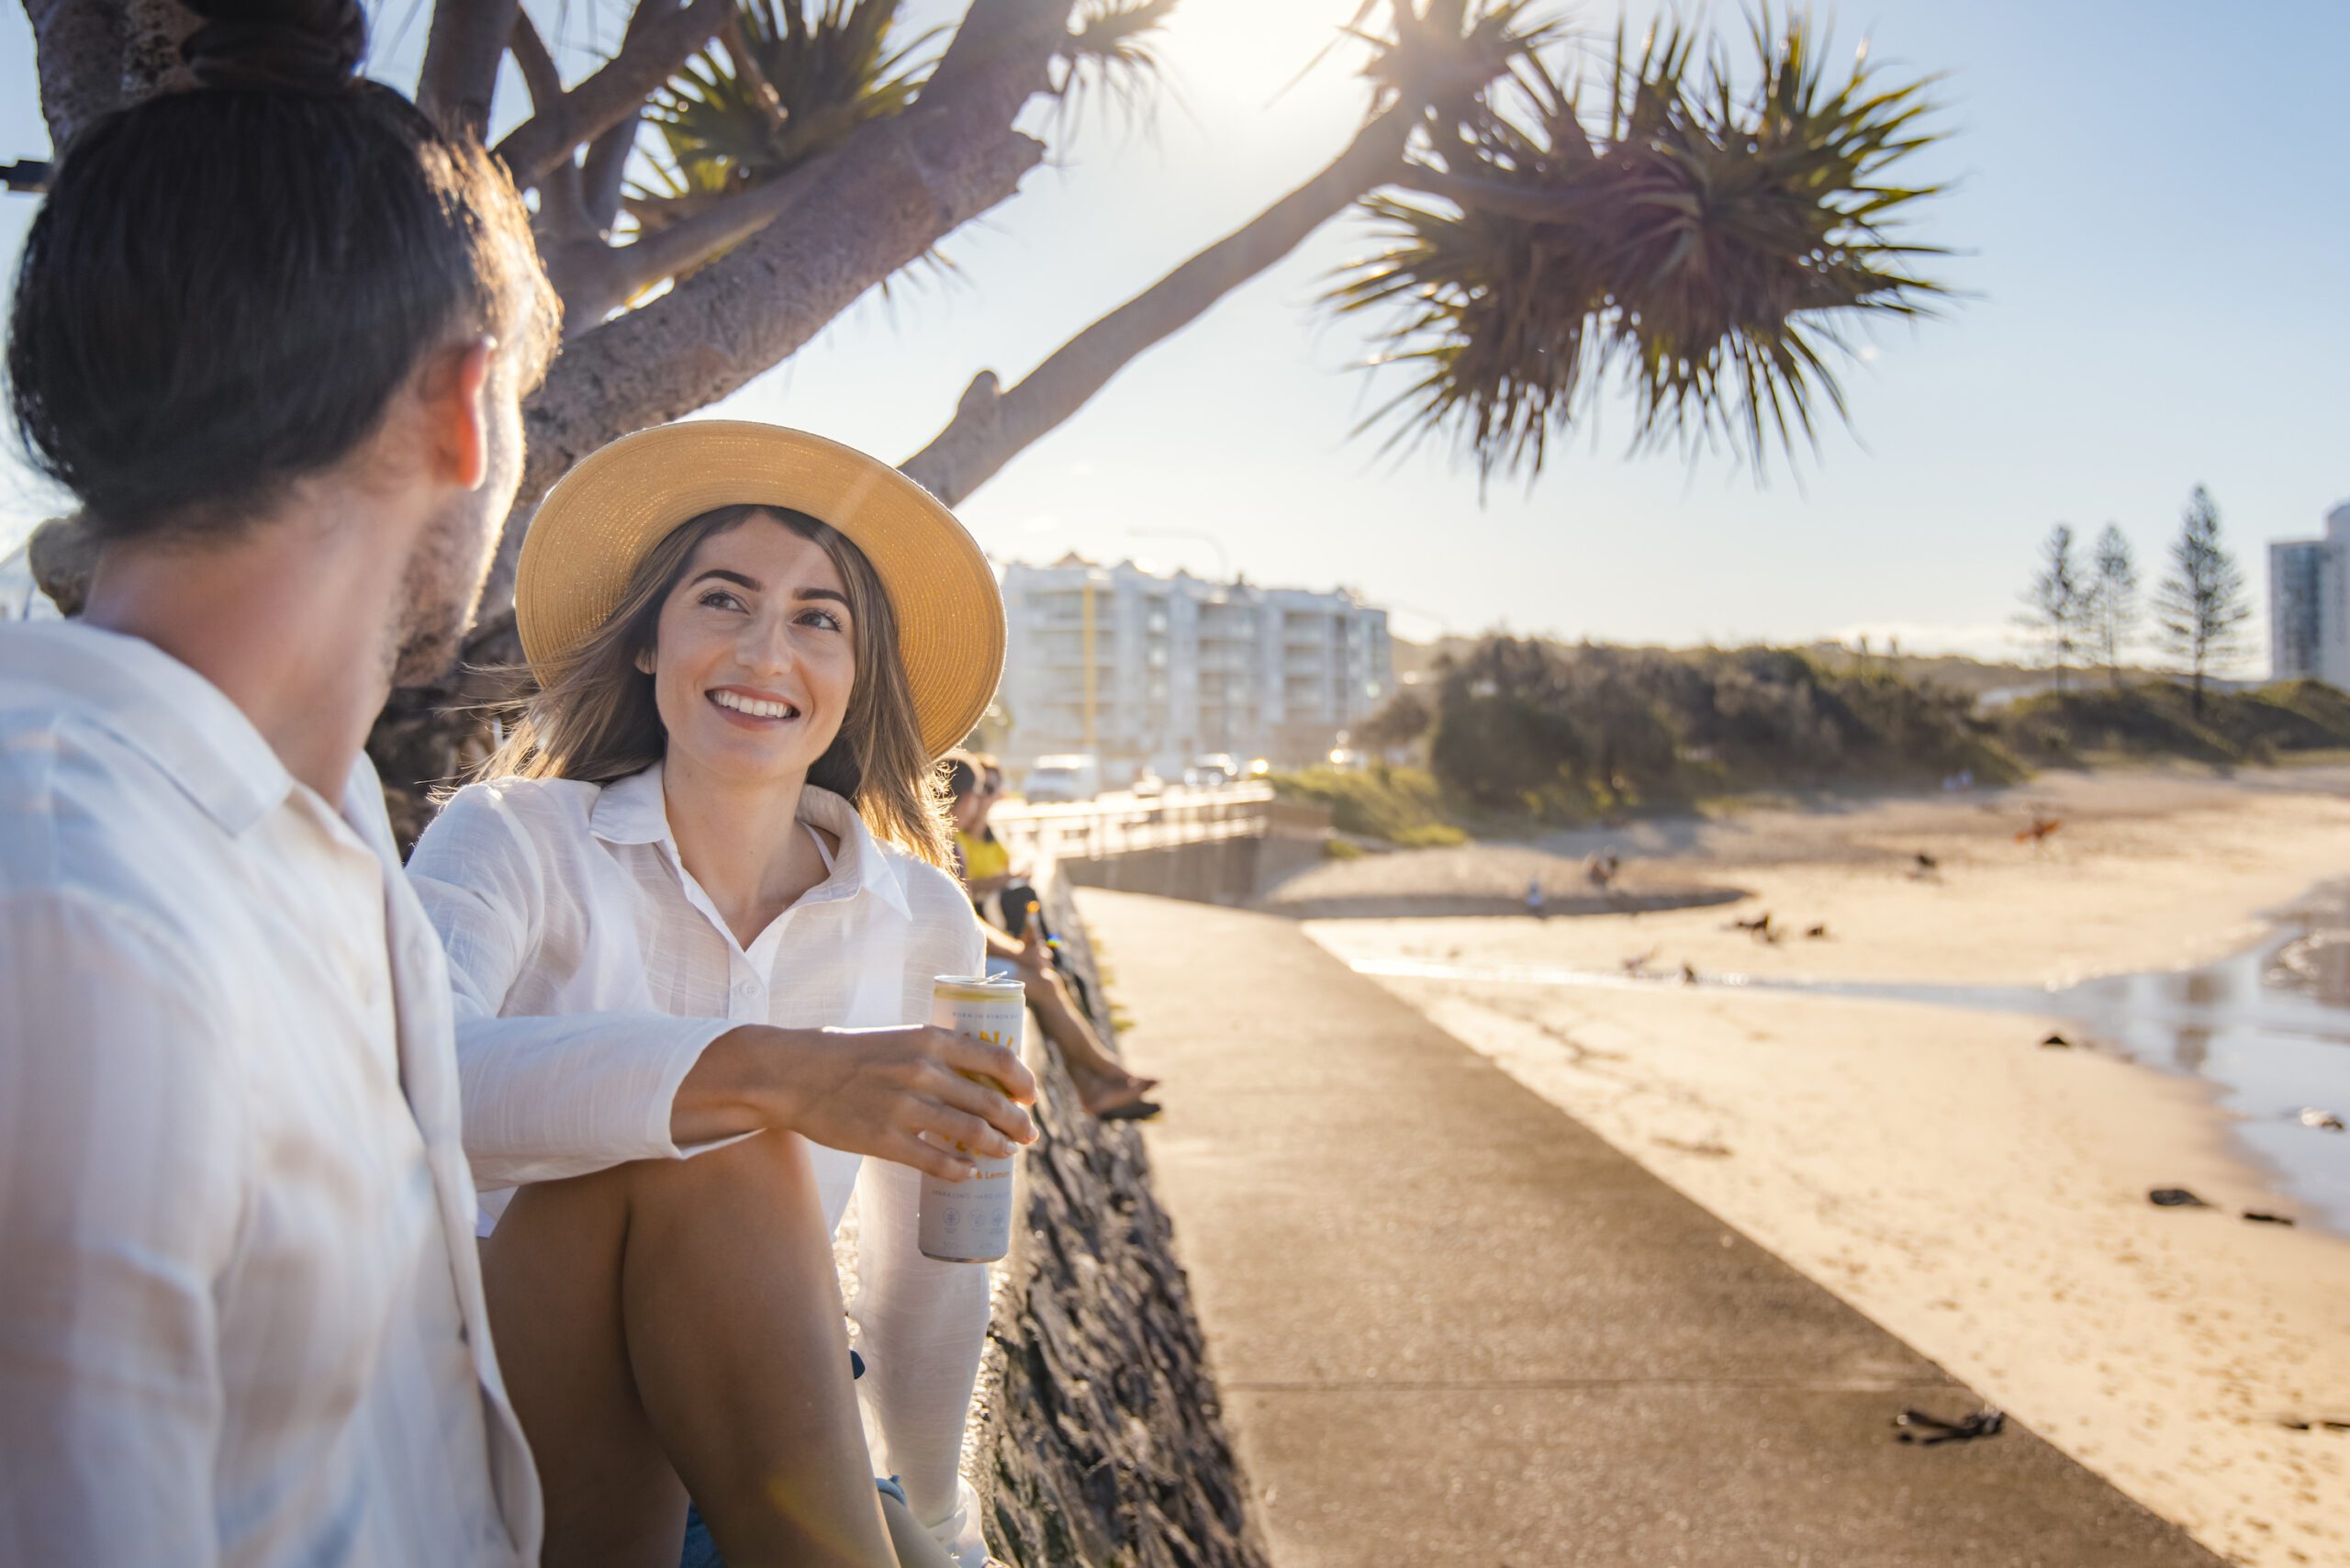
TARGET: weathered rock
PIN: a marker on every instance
(1099, 1434)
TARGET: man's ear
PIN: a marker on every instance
(456, 412)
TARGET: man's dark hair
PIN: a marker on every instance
(225, 286)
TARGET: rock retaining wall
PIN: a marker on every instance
(1097, 1436)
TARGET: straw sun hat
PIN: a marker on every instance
(601, 518)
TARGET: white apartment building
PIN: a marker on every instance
(1145, 670)
(2309, 604)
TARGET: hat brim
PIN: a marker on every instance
(599, 520)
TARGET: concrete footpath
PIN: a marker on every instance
(1452, 1325)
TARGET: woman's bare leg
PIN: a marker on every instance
(1102, 1081)
(671, 1326)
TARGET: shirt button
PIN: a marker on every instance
(747, 989)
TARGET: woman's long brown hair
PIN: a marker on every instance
(593, 717)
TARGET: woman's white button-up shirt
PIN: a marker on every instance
(591, 971)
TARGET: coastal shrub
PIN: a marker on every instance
(2133, 721)
(2152, 719)
(1402, 805)
(2290, 715)
(1555, 732)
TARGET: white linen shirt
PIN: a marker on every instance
(592, 970)
(240, 1312)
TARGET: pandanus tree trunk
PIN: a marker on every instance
(884, 198)
(94, 58)
(992, 425)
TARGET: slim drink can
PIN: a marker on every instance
(970, 1221)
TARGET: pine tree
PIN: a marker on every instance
(2113, 600)
(2201, 606)
(2056, 605)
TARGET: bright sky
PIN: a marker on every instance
(2150, 210)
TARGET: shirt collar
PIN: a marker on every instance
(152, 704)
(634, 811)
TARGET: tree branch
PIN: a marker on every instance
(747, 66)
(151, 59)
(562, 207)
(890, 193)
(994, 33)
(991, 426)
(604, 169)
(94, 57)
(613, 94)
(461, 56)
(63, 556)
(78, 50)
(541, 76)
(595, 279)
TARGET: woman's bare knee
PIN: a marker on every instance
(763, 1169)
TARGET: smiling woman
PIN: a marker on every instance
(736, 614)
(925, 619)
(698, 895)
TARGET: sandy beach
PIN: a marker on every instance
(1981, 1196)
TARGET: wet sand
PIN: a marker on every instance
(1979, 1196)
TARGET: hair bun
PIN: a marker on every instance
(300, 46)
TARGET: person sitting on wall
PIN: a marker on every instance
(702, 892)
(271, 332)
(1104, 1085)
(998, 889)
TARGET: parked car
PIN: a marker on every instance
(1062, 778)
(1212, 772)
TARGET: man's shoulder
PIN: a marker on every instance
(66, 776)
(89, 822)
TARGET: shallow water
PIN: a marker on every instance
(2269, 1029)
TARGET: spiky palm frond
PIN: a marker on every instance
(1112, 50)
(1707, 245)
(792, 79)
(1451, 54)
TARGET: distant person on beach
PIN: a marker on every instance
(273, 333)
(1104, 1084)
(699, 894)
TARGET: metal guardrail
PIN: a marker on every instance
(1117, 824)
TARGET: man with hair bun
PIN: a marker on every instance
(273, 333)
